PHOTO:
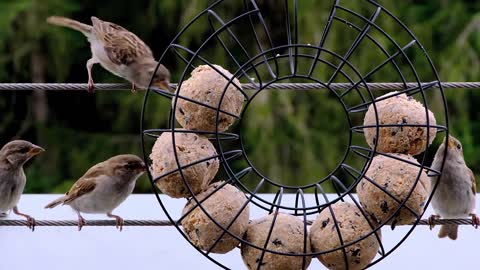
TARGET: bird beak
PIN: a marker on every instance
(142, 167)
(164, 85)
(35, 150)
(451, 143)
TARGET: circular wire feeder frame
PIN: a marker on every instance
(263, 57)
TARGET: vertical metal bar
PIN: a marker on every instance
(321, 44)
(337, 227)
(270, 231)
(355, 44)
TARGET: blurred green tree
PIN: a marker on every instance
(79, 130)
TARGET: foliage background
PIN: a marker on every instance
(79, 130)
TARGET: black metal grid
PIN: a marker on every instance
(270, 56)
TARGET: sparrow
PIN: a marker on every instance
(119, 51)
(12, 177)
(456, 190)
(103, 188)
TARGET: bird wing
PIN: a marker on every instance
(86, 183)
(121, 45)
(474, 183)
(80, 188)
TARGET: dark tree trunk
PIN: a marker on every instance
(40, 104)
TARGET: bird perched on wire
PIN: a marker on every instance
(12, 177)
(119, 51)
(456, 190)
(103, 188)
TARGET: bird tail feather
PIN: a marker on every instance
(69, 23)
(448, 230)
(56, 202)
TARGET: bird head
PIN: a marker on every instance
(455, 149)
(126, 167)
(161, 78)
(453, 144)
(18, 152)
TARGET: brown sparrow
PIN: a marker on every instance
(456, 191)
(103, 188)
(119, 51)
(12, 178)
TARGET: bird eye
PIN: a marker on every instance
(459, 147)
(129, 165)
(24, 150)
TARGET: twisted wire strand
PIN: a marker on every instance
(277, 86)
(164, 223)
(65, 223)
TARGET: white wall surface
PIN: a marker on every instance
(139, 248)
